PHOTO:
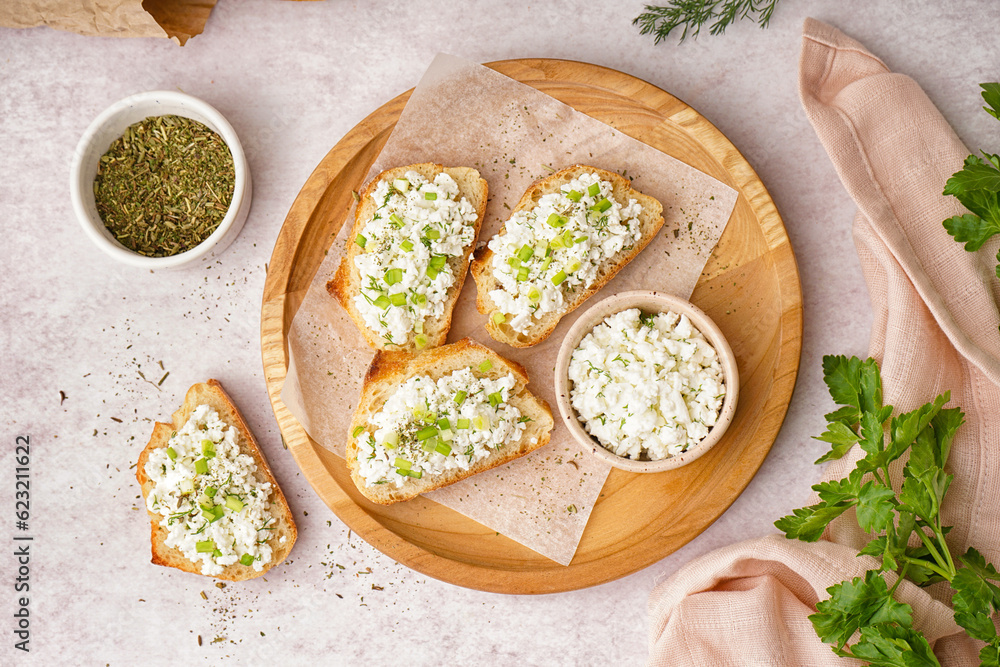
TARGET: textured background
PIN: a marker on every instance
(293, 78)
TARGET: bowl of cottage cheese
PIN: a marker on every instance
(646, 381)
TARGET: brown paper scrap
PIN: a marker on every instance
(466, 114)
(179, 20)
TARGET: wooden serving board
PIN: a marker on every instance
(750, 287)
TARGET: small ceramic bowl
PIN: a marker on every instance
(647, 302)
(108, 127)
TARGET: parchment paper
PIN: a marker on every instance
(465, 114)
(178, 20)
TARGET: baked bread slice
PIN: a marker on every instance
(649, 222)
(281, 530)
(387, 376)
(347, 282)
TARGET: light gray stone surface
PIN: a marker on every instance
(293, 78)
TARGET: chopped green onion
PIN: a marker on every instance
(216, 554)
(460, 397)
(426, 432)
(430, 196)
(406, 245)
(567, 238)
(246, 559)
(398, 299)
(438, 261)
(556, 220)
(418, 326)
(358, 430)
(416, 474)
(201, 466)
(602, 205)
(420, 340)
(401, 184)
(580, 239)
(187, 485)
(557, 242)
(525, 253)
(514, 262)
(575, 266)
(498, 318)
(534, 295)
(462, 423)
(522, 274)
(573, 195)
(391, 440)
(559, 277)
(396, 221)
(234, 503)
(432, 273)
(433, 234)
(447, 436)
(206, 547)
(208, 448)
(402, 464)
(360, 240)
(171, 454)
(444, 424)
(393, 276)
(212, 512)
(420, 299)
(480, 423)
(496, 398)
(443, 448)
(382, 301)
(594, 189)
(486, 366)
(206, 505)
(210, 491)
(545, 264)
(429, 445)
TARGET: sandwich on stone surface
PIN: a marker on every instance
(213, 503)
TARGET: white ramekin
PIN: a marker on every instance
(108, 127)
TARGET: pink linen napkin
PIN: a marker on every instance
(935, 329)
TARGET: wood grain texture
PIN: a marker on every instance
(750, 287)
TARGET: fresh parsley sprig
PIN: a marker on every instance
(905, 522)
(691, 15)
(977, 186)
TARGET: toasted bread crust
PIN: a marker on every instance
(389, 369)
(212, 394)
(346, 282)
(651, 221)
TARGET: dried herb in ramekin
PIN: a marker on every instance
(165, 185)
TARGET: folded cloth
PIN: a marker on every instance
(935, 329)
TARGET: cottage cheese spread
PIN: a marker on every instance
(418, 226)
(646, 384)
(559, 246)
(215, 508)
(429, 427)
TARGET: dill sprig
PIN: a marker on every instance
(691, 15)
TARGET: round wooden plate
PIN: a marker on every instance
(750, 287)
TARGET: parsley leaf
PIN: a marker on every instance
(875, 509)
(905, 523)
(991, 94)
(855, 604)
(977, 187)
